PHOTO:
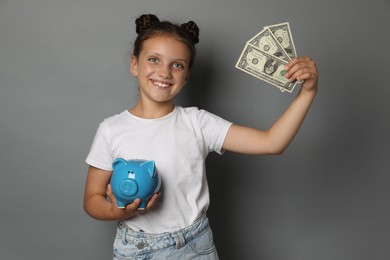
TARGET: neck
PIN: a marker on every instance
(151, 111)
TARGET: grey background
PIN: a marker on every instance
(63, 68)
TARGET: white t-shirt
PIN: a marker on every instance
(179, 144)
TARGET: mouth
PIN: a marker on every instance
(160, 84)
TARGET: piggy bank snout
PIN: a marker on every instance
(128, 187)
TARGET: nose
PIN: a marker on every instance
(164, 72)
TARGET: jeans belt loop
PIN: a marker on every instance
(124, 233)
(179, 239)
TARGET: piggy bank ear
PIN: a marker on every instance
(118, 163)
(150, 166)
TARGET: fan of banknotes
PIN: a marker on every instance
(266, 54)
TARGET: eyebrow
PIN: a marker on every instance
(159, 55)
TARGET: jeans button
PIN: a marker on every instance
(140, 245)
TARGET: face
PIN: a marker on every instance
(161, 68)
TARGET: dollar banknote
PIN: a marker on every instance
(282, 33)
(266, 54)
(265, 66)
(266, 41)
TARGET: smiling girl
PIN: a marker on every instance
(174, 224)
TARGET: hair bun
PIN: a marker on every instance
(192, 30)
(144, 21)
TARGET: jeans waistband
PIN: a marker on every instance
(147, 241)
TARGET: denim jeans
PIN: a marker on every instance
(193, 242)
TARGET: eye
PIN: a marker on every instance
(178, 66)
(153, 60)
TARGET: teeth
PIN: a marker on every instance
(161, 84)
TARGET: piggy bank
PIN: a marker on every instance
(133, 179)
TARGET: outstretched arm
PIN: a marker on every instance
(248, 140)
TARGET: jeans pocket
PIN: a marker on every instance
(124, 251)
(203, 244)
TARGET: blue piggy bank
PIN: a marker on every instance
(133, 179)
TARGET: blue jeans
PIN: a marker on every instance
(193, 242)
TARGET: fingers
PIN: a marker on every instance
(110, 195)
(132, 207)
(153, 200)
(301, 68)
(129, 207)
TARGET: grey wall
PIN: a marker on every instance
(63, 68)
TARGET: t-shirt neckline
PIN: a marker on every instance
(167, 116)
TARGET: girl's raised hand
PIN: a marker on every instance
(303, 69)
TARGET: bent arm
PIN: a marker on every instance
(95, 197)
(100, 203)
(248, 140)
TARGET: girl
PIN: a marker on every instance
(178, 139)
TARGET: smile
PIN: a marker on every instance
(160, 84)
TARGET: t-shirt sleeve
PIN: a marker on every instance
(99, 155)
(214, 129)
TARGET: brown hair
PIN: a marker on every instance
(148, 26)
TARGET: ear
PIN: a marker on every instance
(151, 166)
(134, 66)
(118, 163)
